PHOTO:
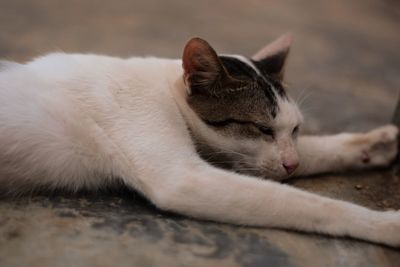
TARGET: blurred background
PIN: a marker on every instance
(343, 69)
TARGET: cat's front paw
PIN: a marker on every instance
(388, 231)
(377, 148)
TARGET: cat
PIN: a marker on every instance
(204, 136)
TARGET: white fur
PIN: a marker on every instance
(81, 120)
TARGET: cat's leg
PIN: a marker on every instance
(193, 188)
(347, 151)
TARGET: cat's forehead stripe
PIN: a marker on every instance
(245, 61)
(236, 66)
(242, 63)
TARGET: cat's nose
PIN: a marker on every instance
(290, 167)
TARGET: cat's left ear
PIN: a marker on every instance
(272, 58)
(203, 69)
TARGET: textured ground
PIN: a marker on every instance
(343, 69)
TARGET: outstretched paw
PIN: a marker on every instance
(377, 148)
(388, 228)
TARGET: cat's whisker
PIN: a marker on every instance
(303, 97)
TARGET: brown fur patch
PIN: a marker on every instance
(358, 140)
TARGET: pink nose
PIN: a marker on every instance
(291, 167)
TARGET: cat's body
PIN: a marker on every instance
(83, 121)
(71, 110)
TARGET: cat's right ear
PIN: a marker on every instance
(203, 70)
(272, 58)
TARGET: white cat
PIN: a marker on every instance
(82, 121)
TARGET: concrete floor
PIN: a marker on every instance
(343, 68)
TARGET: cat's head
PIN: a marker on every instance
(245, 119)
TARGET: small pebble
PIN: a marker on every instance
(359, 187)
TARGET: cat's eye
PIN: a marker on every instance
(296, 130)
(266, 130)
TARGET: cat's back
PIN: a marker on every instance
(54, 79)
(97, 86)
(61, 66)
(78, 76)
(51, 71)
(69, 66)
(64, 65)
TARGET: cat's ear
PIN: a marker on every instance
(272, 58)
(203, 69)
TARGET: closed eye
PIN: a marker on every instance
(263, 129)
(266, 130)
(225, 122)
